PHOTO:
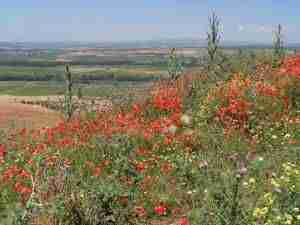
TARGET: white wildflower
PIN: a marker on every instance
(172, 129)
(274, 137)
(186, 120)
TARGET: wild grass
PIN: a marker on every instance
(230, 158)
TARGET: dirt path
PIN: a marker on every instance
(17, 115)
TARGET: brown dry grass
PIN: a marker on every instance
(16, 115)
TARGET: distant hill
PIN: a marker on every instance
(163, 43)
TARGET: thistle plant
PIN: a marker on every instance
(278, 48)
(68, 104)
(79, 93)
(213, 38)
(175, 67)
(216, 59)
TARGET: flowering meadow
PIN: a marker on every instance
(230, 158)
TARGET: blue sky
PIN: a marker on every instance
(119, 20)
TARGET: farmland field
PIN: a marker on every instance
(15, 115)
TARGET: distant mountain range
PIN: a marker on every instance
(164, 43)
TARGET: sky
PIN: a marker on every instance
(121, 20)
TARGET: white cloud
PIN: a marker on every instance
(255, 28)
(264, 29)
(241, 28)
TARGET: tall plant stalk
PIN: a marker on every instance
(213, 38)
(278, 48)
(68, 106)
(175, 67)
(216, 59)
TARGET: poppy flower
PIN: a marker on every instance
(140, 167)
(2, 153)
(183, 221)
(160, 210)
(140, 211)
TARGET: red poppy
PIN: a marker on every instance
(24, 174)
(142, 152)
(140, 211)
(140, 167)
(2, 153)
(167, 99)
(97, 171)
(183, 221)
(160, 210)
(291, 67)
(136, 108)
(266, 89)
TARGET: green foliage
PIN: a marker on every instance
(81, 74)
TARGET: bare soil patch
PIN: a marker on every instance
(16, 115)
